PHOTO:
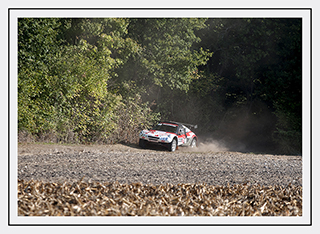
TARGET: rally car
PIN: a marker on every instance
(169, 134)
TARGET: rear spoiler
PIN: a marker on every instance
(188, 125)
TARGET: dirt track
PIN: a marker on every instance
(130, 164)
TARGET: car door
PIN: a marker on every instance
(181, 136)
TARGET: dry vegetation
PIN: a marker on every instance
(80, 198)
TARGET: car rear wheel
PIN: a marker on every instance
(193, 143)
(173, 145)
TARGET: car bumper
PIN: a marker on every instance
(155, 142)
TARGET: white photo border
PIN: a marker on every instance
(304, 13)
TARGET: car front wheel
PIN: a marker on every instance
(173, 145)
(142, 143)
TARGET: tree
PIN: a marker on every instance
(166, 57)
(64, 69)
(37, 45)
(259, 61)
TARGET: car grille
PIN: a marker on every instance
(152, 138)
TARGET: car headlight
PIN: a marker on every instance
(164, 138)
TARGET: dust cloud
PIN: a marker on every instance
(213, 146)
(209, 145)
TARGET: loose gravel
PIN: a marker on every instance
(129, 164)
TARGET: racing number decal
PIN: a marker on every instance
(181, 136)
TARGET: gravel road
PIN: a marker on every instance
(130, 164)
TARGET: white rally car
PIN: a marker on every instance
(169, 134)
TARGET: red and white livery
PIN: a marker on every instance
(169, 134)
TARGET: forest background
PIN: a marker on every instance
(102, 80)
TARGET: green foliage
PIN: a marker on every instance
(104, 79)
(166, 57)
(37, 45)
(65, 66)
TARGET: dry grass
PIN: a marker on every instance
(37, 198)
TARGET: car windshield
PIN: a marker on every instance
(166, 128)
